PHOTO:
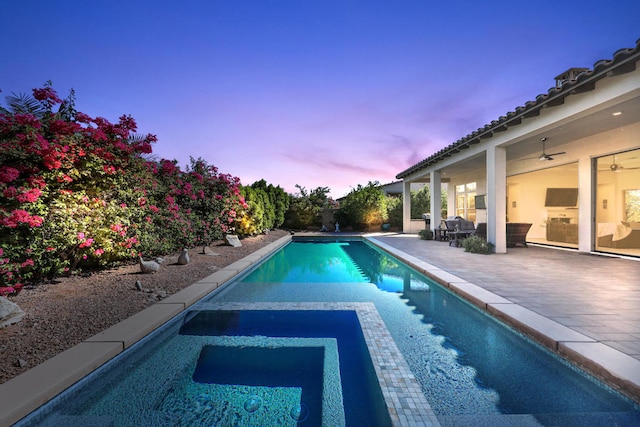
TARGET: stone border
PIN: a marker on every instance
(618, 370)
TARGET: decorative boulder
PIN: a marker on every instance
(233, 240)
(207, 251)
(10, 313)
(148, 266)
(184, 259)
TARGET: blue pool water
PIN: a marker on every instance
(467, 363)
(212, 367)
(363, 401)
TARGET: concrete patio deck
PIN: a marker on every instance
(585, 307)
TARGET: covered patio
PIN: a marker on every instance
(567, 162)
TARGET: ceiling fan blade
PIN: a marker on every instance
(544, 155)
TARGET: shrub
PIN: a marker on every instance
(364, 207)
(426, 234)
(394, 210)
(306, 207)
(477, 245)
(266, 209)
(77, 192)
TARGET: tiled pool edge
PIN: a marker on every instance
(27, 392)
(620, 371)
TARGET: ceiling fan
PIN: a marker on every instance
(545, 155)
(617, 167)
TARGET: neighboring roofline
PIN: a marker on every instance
(623, 61)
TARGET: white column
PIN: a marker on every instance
(406, 206)
(497, 198)
(435, 188)
(585, 194)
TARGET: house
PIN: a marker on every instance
(567, 162)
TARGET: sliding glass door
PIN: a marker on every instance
(618, 203)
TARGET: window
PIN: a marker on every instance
(632, 205)
(465, 201)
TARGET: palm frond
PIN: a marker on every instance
(25, 104)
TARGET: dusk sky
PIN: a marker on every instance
(315, 93)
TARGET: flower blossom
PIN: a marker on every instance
(8, 174)
(29, 196)
(21, 216)
(47, 94)
(10, 192)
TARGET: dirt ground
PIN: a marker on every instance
(62, 314)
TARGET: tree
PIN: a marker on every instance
(305, 208)
(394, 210)
(363, 207)
(420, 202)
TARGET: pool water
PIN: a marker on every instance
(467, 363)
(363, 400)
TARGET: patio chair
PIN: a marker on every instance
(517, 233)
(459, 229)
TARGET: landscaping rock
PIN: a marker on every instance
(149, 266)
(10, 313)
(233, 240)
(207, 251)
(184, 259)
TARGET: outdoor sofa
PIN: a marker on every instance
(516, 233)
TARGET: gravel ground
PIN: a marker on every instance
(62, 314)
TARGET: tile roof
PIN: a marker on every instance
(623, 61)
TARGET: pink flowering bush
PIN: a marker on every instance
(77, 192)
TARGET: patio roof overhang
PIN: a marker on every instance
(623, 61)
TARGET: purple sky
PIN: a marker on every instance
(316, 93)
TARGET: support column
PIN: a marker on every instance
(406, 206)
(435, 188)
(497, 198)
(586, 183)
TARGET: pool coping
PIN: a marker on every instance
(616, 369)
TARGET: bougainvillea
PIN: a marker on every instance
(77, 191)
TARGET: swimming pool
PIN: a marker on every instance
(469, 366)
(467, 363)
